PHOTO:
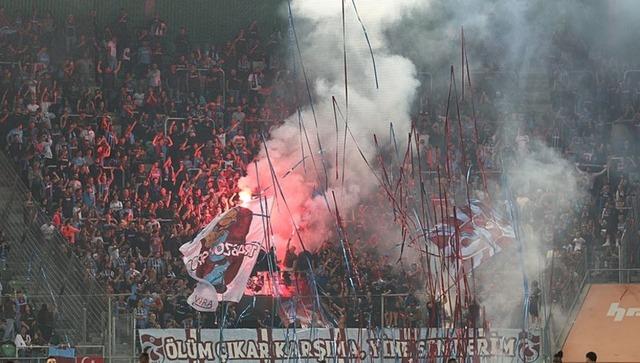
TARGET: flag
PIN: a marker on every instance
(483, 232)
(221, 257)
(152, 346)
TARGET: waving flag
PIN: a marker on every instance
(483, 232)
(221, 257)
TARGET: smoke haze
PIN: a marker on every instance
(370, 110)
(411, 36)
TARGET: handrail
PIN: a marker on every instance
(571, 311)
(572, 308)
(31, 348)
(559, 322)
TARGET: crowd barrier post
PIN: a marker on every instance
(382, 306)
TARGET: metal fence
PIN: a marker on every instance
(40, 353)
(561, 317)
(46, 268)
(568, 275)
(560, 314)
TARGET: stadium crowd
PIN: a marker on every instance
(132, 140)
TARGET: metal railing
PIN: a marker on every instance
(47, 268)
(40, 353)
(389, 310)
(560, 315)
(568, 274)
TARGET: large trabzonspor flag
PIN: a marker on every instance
(483, 232)
(221, 257)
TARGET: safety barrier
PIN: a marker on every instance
(40, 353)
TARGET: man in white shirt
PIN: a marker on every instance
(255, 81)
(115, 205)
(88, 134)
(46, 148)
(33, 106)
(112, 51)
(22, 340)
(154, 77)
(578, 243)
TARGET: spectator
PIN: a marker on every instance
(8, 318)
(557, 358)
(534, 303)
(141, 314)
(290, 258)
(154, 78)
(69, 232)
(22, 340)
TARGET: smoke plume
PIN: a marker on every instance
(510, 39)
(369, 110)
(515, 38)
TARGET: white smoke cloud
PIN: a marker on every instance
(319, 26)
(404, 33)
(539, 178)
(507, 36)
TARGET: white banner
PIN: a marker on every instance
(339, 345)
(222, 256)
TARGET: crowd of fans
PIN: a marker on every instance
(132, 140)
